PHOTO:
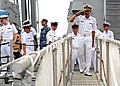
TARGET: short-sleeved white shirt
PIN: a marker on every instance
(75, 40)
(86, 26)
(28, 38)
(7, 31)
(51, 36)
(32, 29)
(109, 34)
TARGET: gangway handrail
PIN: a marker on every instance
(117, 42)
(108, 48)
(40, 53)
(33, 58)
(66, 64)
(100, 58)
(102, 66)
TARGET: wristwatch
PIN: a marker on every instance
(76, 14)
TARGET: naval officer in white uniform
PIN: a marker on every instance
(27, 38)
(7, 32)
(51, 35)
(87, 27)
(32, 29)
(107, 32)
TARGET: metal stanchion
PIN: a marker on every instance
(54, 52)
(96, 55)
(100, 59)
(119, 52)
(63, 53)
(107, 59)
(71, 55)
(11, 81)
(11, 53)
(68, 53)
(71, 59)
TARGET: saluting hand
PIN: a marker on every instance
(78, 13)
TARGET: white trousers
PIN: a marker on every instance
(94, 60)
(85, 52)
(5, 51)
(29, 49)
(75, 57)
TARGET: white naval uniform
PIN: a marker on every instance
(32, 29)
(51, 36)
(86, 26)
(109, 34)
(7, 32)
(28, 39)
(75, 45)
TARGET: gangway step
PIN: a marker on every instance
(79, 79)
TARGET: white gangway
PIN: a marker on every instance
(53, 64)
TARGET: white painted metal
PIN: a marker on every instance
(45, 72)
(112, 56)
(104, 10)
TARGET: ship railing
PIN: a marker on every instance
(108, 61)
(52, 63)
(55, 64)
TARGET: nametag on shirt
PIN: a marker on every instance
(82, 21)
(73, 38)
(91, 23)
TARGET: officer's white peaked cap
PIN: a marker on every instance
(27, 23)
(106, 23)
(87, 7)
